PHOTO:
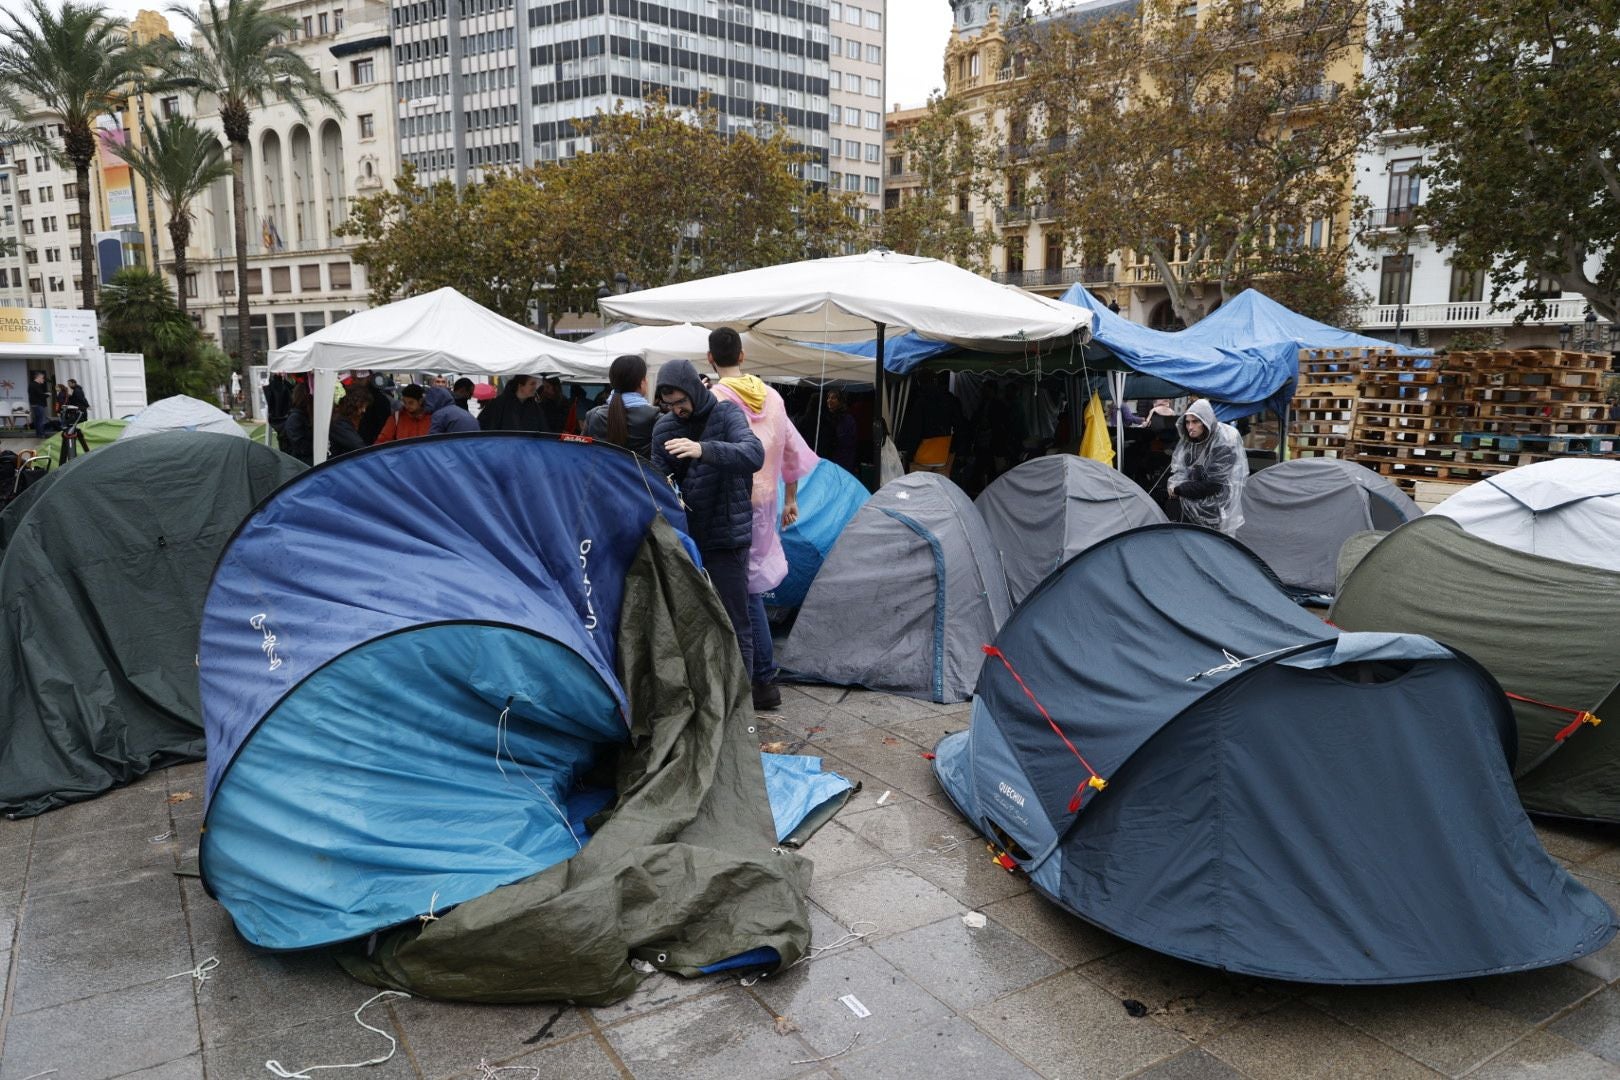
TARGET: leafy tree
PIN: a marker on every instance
(179, 161)
(662, 197)
(1517, 105)
(1195, 144)
(77, 63)
(236, 57)
(139, 314)
(955, 163)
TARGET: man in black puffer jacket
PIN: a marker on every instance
(705, 445)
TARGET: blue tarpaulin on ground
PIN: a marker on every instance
(797, 786)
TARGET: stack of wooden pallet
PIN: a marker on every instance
(1410, 413)
(1324, 407)
(1536, 404)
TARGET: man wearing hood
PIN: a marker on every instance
(788, 459)
(705, 445)
(446, 414)
(515, 407)
(1207, 470)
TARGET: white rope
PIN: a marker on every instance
(500, 747)
(277, 1069)
(1235, 662)
(486, 1071)
(433, 902)
(850, 936)
(828, 1057)
(200, 972)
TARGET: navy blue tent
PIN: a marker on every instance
(442, 666)
(1173, 750)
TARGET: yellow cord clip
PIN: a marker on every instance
(1096, 782)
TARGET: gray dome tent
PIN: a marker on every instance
(907, 597)
(102, 580)
(1046, 511)
(1298, 514)
(1191, 761)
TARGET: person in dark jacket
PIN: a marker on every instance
(77, 399)
(462, 388)
(39, 403)
(277, 400)
(515, 407)
(628, 418)
(297, 434)
(708, 449)
(835, 435)
(343, 436)
(553, 404)
(447, 414)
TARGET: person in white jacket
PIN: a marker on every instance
(1207, 471)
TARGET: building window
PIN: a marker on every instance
(191, 285)
(313, 321)
(1395, 280)
(225, 282)
(874, 88)
(281, 279)
(309, 277)
(321, 21)
(852, 14)
(874, 186)
(24, 197)
(368, 126)
(285, 326)
(53, 255)
(852, 49)
(836, 148)
(255, 282)
(73, 221)
(74, 252)
(337, 21)
(852, 116)
(897, 165)
(338, 273)
(1403, 191)
(309, 26)
(874, 121)
(874, 20)
(171, 107)
(70, 191)
(1320, 230)
(852, 182)
(47, 194)
(362, 72)
(835, 46)
(874, 153)
(28, 226)
(1467, 286)
(1546, 287)
(1054, 251)
(874, 54)
(835, 12)
(973, 65)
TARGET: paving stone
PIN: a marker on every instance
(892, 896)
(660, 991)
(1574, 841)
(897, 762)
(1547, 1056)
(106, 937)
(905, 828)
(926, 731)
(950, 1050)
(883, 709)
(1095, 1038)
(808, 995)
(1534, 995)
(102, 857)
(1296, 1042)
(447, 1039)
(1606, 864)
(967, 873)
(10, 913)
(1192, 1065)
(835, 850)
(189, 1067)
(103, 1036)
(332, 1040)
(1193, 1000)
(815, 721)
(1594, 1026)
(581, 1058)
(830, 695)
(1059, 934)
(967, 967)
(189, 776)
(1605, 963)
(723, 1035)
(142, 805)
(1436, 1023)
(253, 992)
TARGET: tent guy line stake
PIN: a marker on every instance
(277, 1069)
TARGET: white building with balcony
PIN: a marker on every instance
(301, 174)
(1418, 294)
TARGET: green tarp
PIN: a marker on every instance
(683, 872)
(102, 580)
(1547, 629)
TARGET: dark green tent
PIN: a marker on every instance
(1549, 630)
(101, 594)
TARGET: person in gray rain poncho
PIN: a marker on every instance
(1207, 471)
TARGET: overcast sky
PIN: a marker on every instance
(918, 30)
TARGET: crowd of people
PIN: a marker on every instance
(46, 407)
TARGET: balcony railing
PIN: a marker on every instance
(1470, 313)
(1068, 275)
(1051, 145)
(1026, 212)
(1391, 217)
(1320, 93)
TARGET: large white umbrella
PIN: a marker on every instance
(437, 331)
(856, 297)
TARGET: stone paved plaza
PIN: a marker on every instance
(98, 909)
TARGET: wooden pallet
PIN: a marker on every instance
(1585, 445)
(1484, 359)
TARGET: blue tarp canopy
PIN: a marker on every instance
(1252, 316)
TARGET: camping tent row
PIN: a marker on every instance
(1520, 571)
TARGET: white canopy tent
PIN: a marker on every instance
(849, 299)
(437, 331)
(765, 357)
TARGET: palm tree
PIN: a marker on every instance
(178, 160)
(77, 63)
(236, 56)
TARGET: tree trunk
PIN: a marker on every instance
(1173, 285)
(87, 261)
(244, 336)
(179, 236)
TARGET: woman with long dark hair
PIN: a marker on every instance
(627, 419)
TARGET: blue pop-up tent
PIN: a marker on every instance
(1172, 749)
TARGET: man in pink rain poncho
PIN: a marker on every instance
(788, 459)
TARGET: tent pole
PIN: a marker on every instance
(325, 383)
(879, 408)
(1116, 390)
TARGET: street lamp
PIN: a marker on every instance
(1589, 339)
(1565, 332)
